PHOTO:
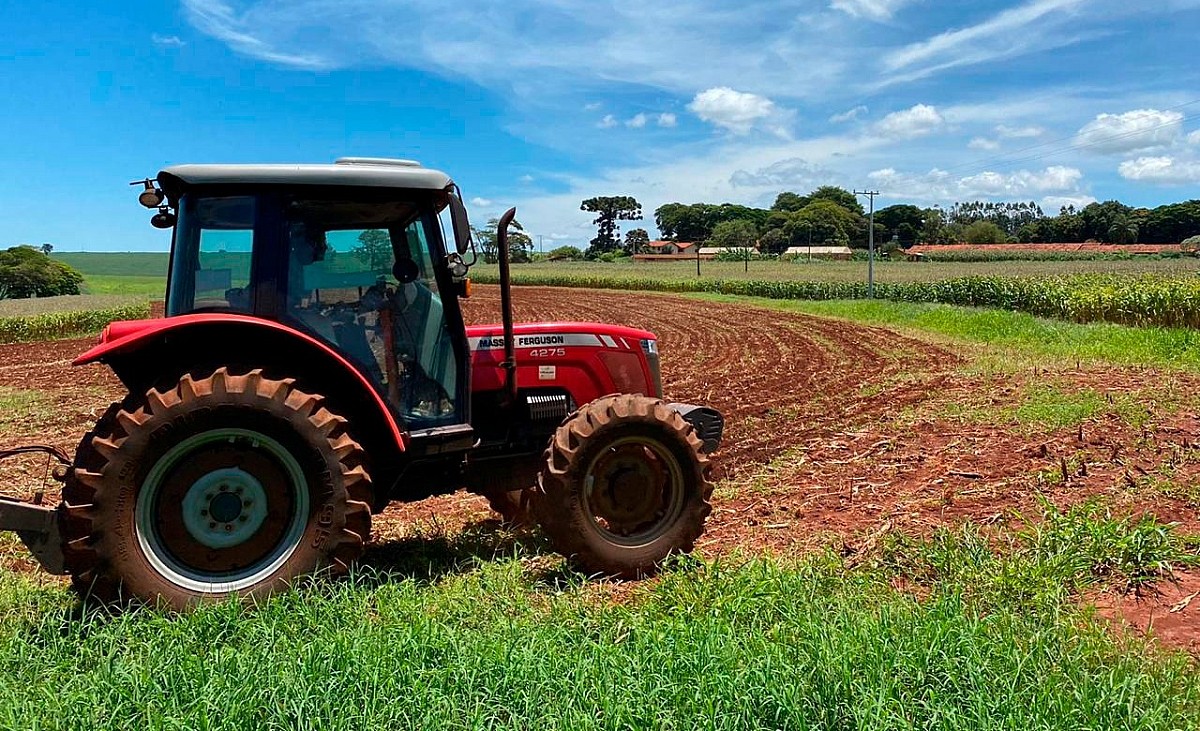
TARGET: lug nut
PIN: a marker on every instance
(229, 527)
(224, 488)
(204, 513)
(212, 525)
(242, 519)
(238, 490)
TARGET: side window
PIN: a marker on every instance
(212, 263)
(360, 276)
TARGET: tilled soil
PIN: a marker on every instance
(835, 432)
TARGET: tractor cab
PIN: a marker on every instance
(352, 254)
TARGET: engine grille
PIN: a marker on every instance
(552, 407)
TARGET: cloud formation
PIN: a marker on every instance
(735, 111)
(1161, 170)
(1139, 129)
(921, 119)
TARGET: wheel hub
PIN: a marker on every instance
(224, 508)
(628, 488)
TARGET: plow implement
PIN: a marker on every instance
(34, 523)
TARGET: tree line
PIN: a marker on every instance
(830, 215)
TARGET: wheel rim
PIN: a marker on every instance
(633, 491)
(222, 510)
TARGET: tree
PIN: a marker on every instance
(1098, 218)
(829, 223)
(904, 221)
(1122, 230)
(739, 234)
(840, 196)
(790, 202)
(27, 272)
(636, 240)
(565, 253)
(520, 245)
(609, 210)
(984, 232)
(374, 249)
(46, 248)
(774, 241)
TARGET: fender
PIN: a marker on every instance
(124, 340)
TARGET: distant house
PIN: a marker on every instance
(670, 247)
(840, 253)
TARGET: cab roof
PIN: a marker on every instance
(374, 172)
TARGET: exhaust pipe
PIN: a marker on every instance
(506, 315)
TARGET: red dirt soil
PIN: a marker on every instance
(836, 432)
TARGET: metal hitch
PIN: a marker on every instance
(37, 527)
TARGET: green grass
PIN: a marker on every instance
(1010, 333)
(118, 264)
(145, 287)
(992, 640)
(18, 406)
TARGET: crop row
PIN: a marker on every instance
(53, 325)
(1148, 299)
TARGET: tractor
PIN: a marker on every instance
(313, 365)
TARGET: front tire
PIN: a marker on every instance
(623, 486)
(224, 484)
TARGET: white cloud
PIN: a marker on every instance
(849, 115)
(480, 202)
(871, 9)
(592, 106)
(921, 119)
(1194, 138)
(735, 111)
(667, 119)
(940, 185)
(219, 20)
(792, 174)
(983, 143)
(525, 179)
(167, 41)
(608, 122)
(1139, 129)
(637, 121)
(1005, 130)
(1161, 170)
(1033, 26)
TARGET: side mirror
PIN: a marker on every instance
(462, 226)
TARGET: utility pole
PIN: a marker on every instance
(870, 243)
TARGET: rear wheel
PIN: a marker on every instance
(223, 484)
(623, 486)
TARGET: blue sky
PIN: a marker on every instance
(540, 103)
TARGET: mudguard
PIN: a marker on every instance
(123, 340)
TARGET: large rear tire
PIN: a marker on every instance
(223, 484)
(623, 486)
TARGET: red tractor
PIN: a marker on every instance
(314, 365)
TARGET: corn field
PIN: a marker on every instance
(1147, 299)
(54, 325)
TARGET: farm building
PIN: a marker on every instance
(715, 250)
(670, 247)
(840, 253)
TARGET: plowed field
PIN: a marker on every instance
(835, 432)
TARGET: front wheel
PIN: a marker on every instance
(223, 484)
(623, 486)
